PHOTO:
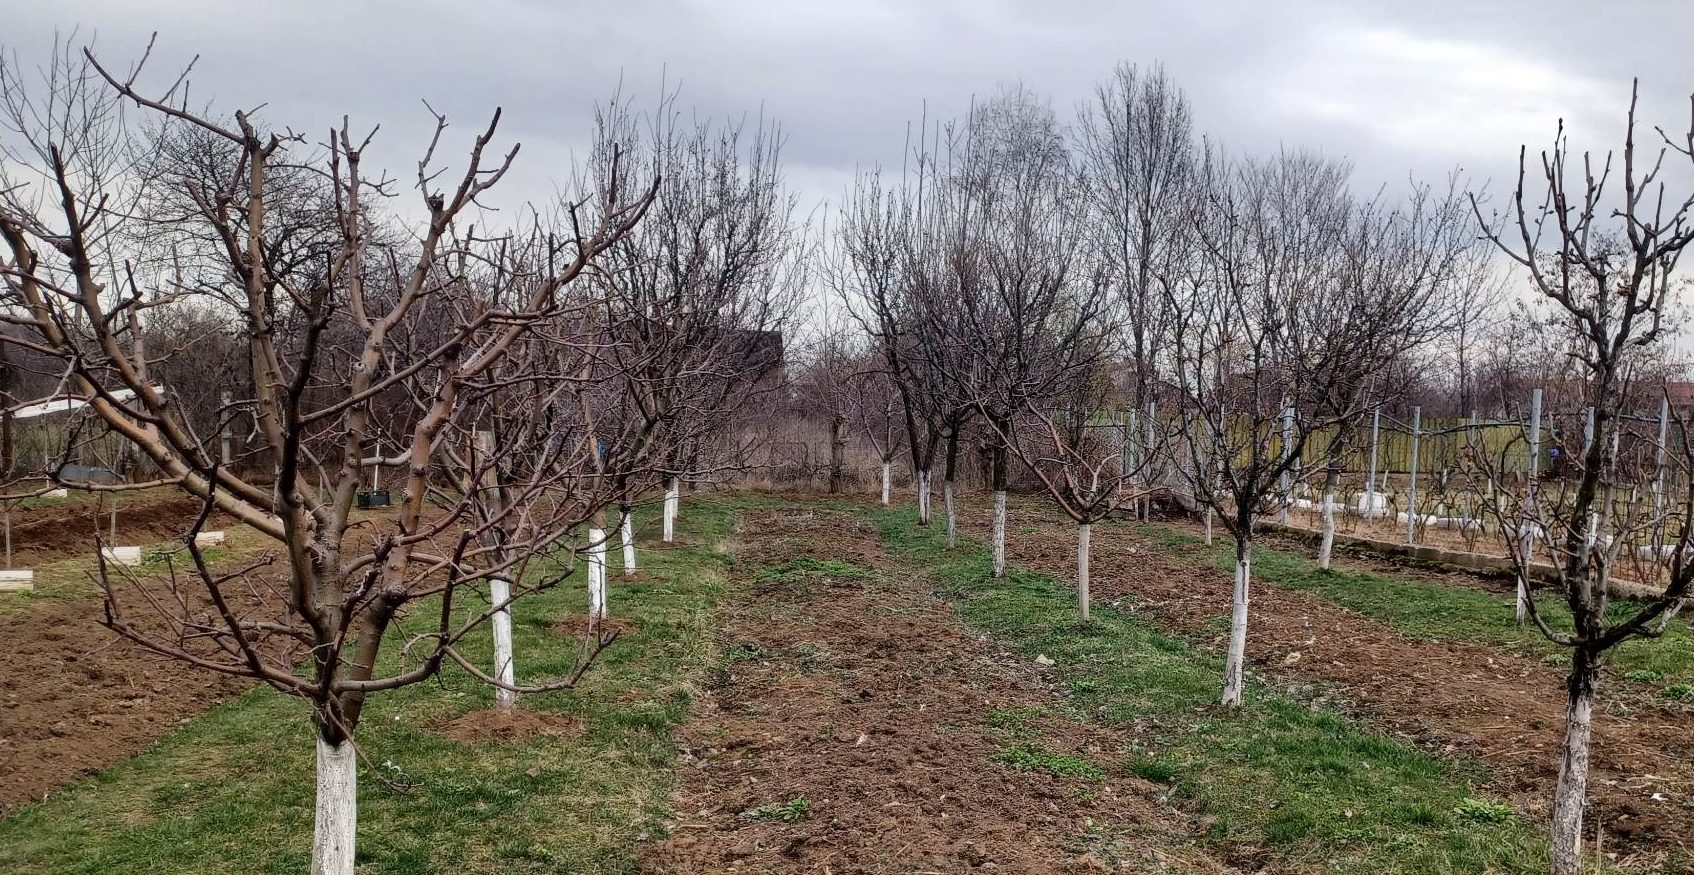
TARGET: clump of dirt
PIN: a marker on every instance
(858, 726)
(508, 724)
(1453, 697)
(576, 625)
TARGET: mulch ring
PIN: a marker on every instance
(1475, 700)
(858, 726)
(508, 724)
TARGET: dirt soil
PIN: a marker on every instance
(44, 536)
(508, 724)
(1479, 701)
(74, 697)
(855, 728)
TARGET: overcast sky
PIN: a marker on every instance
(1399, 86)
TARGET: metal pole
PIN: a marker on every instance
(1412, 487)
(1147, 447)
(1287, 470)
(1529, 502)
(1370, 484)
(224, 453)
(1659, 480)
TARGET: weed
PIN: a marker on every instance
(1477, 810)
(792, 811)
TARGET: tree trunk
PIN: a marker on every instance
(1571, 793)
(500, 591)
(1208, 527)
(1325, 547)
(999, 474)
(837, 452)
(596, 578)
(1083, 532)
(923, 497)
(336, 822)
(887, 480)
(952, 514)
(626, 527)
(947, 486)
(999, 533)
(672, 496)
(1235, 664)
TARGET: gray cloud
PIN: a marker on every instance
(1399, 87)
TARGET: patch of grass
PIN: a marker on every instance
(792, 811)
(1036, 758)
(803, 566)
(232, 790)
(1313, 788)
(1440, 612)
(1483, 811)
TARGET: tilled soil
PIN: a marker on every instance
(74, 699)
(858, 727)
(1480, 701)
(52, 535)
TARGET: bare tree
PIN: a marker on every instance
(1604, 261)
(1136, 147)
(1279, 318)
(378, 336)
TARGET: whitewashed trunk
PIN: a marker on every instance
(673, 495)
(887, 481)
(336, 823)
(500, 591)
(1327, 545)
(952, 514)
(1235, 664)
(999, 533)
(626, 527)
(923, 498)
(1523, 576)
(1572, 790)
(1083, 533)
(596, 576)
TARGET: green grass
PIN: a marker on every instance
(231, 792)
(1436, 611)
(1282, 783)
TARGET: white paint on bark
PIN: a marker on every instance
(923, 498)
(952, 514)
(1572, 789)
(596, 576)
(673, 495)
(626, 527)
(887, 481)
(1083, 533)
(1327, 545)
(999, 533)
(500, 591)
(1234, 666)
(337, 819)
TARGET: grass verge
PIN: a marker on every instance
(231, 792)
(1443, 612)
(1282, 784)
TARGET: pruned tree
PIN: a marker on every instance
(873, 273)
(1135, 145)
(385, 334)
(1278, 317)
(1600, 239)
